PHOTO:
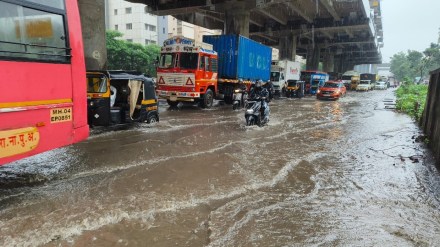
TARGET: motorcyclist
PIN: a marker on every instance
(258, 92)
(270, 89)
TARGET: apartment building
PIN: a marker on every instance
(133, 20)
(141, 27)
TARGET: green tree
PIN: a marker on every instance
(400, 66)
(126, 55)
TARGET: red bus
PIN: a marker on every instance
(43, 100)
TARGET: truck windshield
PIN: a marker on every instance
(188, 60)
(274, 76)
(346, 77)
(364, 82)
(167, 60)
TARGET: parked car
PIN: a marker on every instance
(364, 85)
(381, 85)
(332, 90)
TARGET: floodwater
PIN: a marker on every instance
(322, 173)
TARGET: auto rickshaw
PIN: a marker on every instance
(295, 88)
(117, 97)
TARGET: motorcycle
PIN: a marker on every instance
(254, 114)
(240, 98)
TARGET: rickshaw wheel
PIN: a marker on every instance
(152, 119)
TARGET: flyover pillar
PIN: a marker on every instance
(237, 19)
(288, 47)
(313, 55)
(329, 62)
(93, 31)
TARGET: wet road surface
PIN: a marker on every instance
(322, 173)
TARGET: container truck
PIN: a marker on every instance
(283, 71)
(200, 72)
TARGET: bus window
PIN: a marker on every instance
(59, 4)
(32, 34)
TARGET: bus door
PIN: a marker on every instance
(98, 99)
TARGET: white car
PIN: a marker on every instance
(364, 85)
(381, 85)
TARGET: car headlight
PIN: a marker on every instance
(250, 111)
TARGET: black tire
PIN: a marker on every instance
(250, 121)
(152, 119)
(172, 103)
(208, 99)
(234, 106)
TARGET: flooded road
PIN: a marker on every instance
(322, 173)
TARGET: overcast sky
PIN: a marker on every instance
(410, 25)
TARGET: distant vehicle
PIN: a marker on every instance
(332, 90)
(334, 76)
(350, 79)
(117, 97)
(295, 88)
(371, 77)
(364, 85)
(313, 80)
(381, 85)
(281, 72)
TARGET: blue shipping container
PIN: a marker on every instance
(240, 57)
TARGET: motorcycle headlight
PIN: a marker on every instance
(91, 103)
(236, 90)
(250, 111)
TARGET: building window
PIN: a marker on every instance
(128, 26)
(129, 40)
(153, 41)
(146, 42)
(163, 30)
(115, 12)
(152, 28)
(116, 27)
(128, 10)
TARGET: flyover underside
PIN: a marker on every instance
(334, 30)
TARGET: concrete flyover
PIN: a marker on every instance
(339, 33)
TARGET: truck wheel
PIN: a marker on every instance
(172, 103)
(208, 99)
